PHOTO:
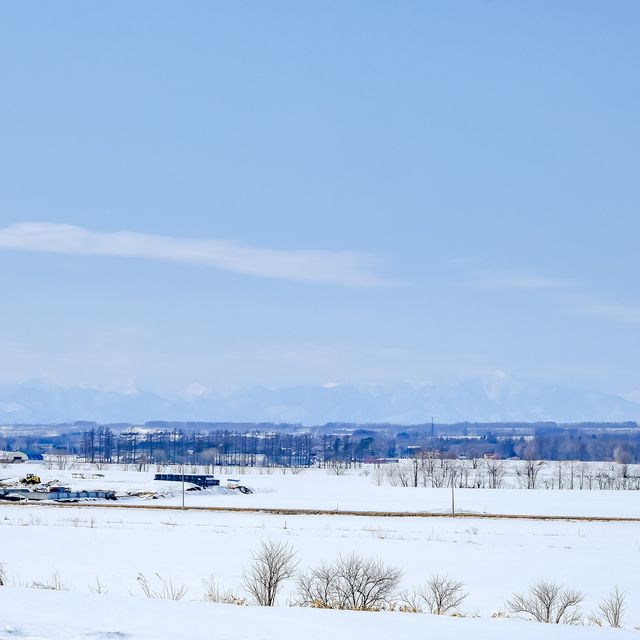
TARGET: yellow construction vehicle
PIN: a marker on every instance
(30, 478)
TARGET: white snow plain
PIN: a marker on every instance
(494, 558)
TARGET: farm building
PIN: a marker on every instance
(203, 481)
(10, 457)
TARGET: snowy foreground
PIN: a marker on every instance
(38, 615)
(106, 549)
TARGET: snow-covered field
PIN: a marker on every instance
(356, 490)
(494, 558)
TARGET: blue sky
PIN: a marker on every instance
(319, 192)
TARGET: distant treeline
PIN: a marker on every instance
(168, 443)
(445, 429)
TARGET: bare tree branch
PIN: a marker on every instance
(548, 602)
(272, 563)
(351, 582)
(440, 596)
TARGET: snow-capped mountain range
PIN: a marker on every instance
(495, 398)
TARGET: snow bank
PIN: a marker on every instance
(36, 615)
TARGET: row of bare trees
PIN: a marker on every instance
(358, 583)
(351, 582)
(430, 470)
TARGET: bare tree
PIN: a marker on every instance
(378, 476)
(351, 582)
(428, 460)
(272, 563)
(337, 468)
(317, 587)
(400, 474)
(62, 461)
(548, 602)
(440, 596)
(528, 473)
(440, 475)
(624, 475)
(415, 471)
(495, 469)
(610, 610)
(364, 583)
(463, 472)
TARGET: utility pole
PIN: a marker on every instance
(183, 485)
(183, 455)
(432, 432)
(453, 493)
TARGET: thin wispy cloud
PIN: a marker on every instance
(565, 292)
(517, 281)
(606, 309)
(344, 268)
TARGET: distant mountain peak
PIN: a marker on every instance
(195, 390)
(498, 397)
